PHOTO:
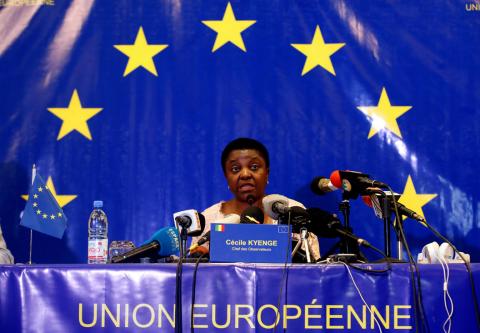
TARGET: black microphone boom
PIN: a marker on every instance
(347, 234)
(403, 210)
(202, 240)
(147, 250)
(205, 238)
(361, 178)
(163, 243)
(354, 183)
(324, 224)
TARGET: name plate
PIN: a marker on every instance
(257, 243)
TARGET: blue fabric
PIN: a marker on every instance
(59, 298)
(155, 145)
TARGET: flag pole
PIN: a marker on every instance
(34, 173)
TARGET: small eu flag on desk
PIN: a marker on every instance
(42, 212)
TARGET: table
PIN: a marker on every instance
(228, 298)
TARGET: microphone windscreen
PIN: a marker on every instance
(299, 211)
(322, 185)
(268, 202)
(315, 185)
(252, 214)
(336, 179)
(323, 223)
(168, 239)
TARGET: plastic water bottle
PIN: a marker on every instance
(97, 235)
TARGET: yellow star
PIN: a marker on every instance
(229, 29)
(59, 214)
(318, 53)
(35, 204)
(44, 216)
(412, 200)
(52, 217)
(40, 189)
(75, 117)
(35, 196)
(39, 211)
(384, 115)
(62, 199)
(140, 53)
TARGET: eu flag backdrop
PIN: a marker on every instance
(131, 102)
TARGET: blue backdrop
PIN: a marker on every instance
(131, 102)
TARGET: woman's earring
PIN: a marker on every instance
(268, 182)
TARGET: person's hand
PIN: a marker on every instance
(199, 251)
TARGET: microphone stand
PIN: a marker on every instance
(183, 243)
(183, 227)
(387, 222)
(178, 280)
(345, 245)
(399, 227)
(386, 226)
(303, 240)
(344, 207)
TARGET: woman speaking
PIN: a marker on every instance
(246, 165)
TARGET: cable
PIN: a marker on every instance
(418, 299)
(377, 250)
(469, 269)
(178, 297)
(373, 271)
(284, 279)
(446, 294)
(361, 296)
(194, 284)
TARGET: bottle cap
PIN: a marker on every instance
(98, 204)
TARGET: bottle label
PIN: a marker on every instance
(98, 250)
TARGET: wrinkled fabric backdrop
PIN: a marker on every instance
(155, 145)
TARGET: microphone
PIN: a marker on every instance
(322, 223)
(402, 209)
(191, 220)
(328, 225)
(202, 240)
(354, 181)
(299, 218)
(252, 214)
(163, 243)
(275, 205)
(251, 199)
(322, 185)
(229, 219)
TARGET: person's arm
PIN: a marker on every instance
(5, 255)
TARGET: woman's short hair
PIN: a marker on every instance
(245, 143)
